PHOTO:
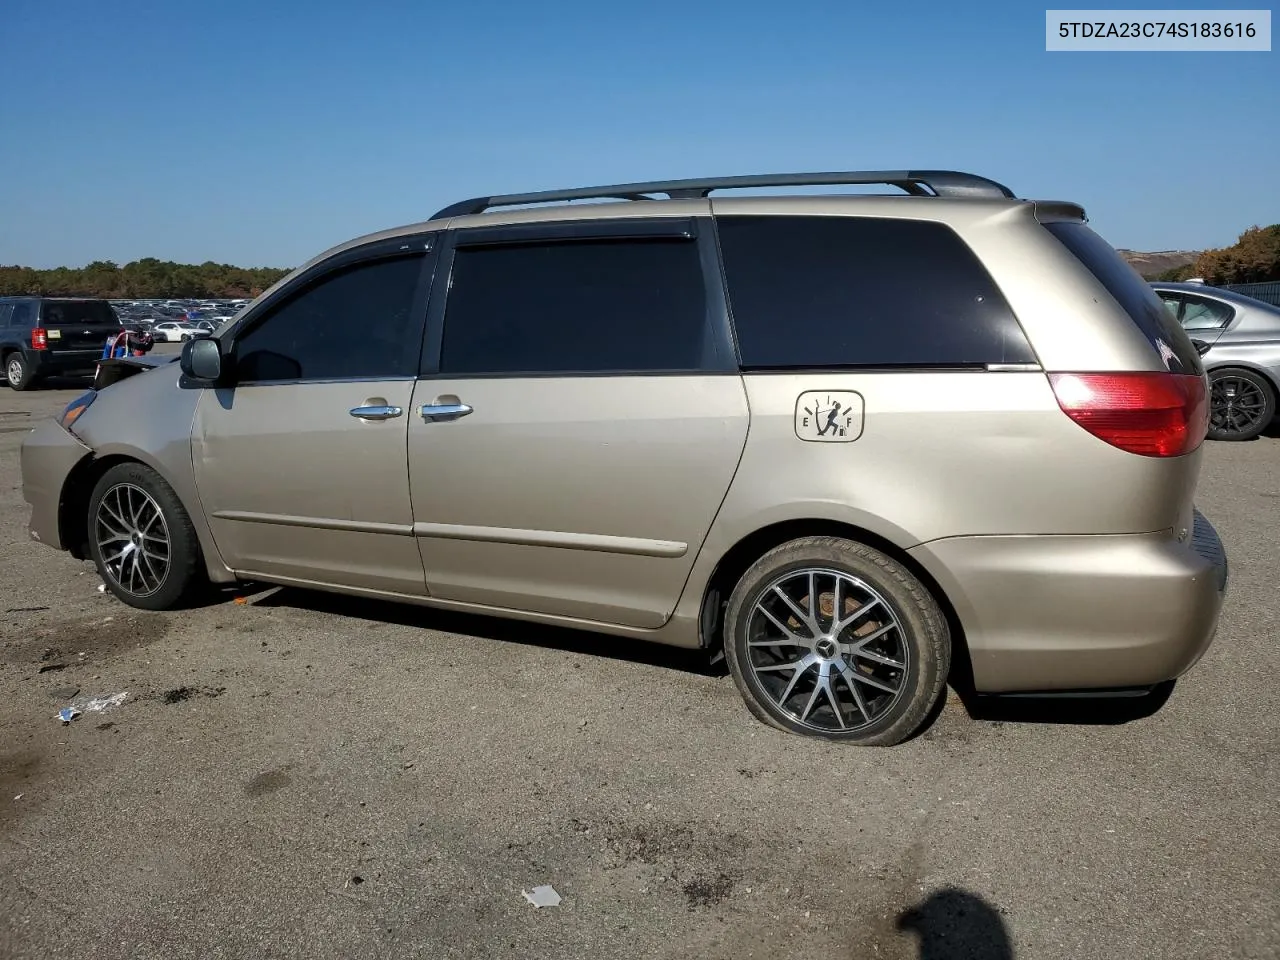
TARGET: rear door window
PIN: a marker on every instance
(24, 315)
(622, 305)
(1134, 295)
(6, 314)
(821, 292)
(1201, 313)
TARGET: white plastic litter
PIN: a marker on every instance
(98, 704)
(544, 896)
(92, 705)
(102, 588)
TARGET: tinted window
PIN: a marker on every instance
(24, 315)
(1133, 293)
(6, 313)
(1201, 313)
(846, 291)
(577, 306)
(355, 322)
(55, 313)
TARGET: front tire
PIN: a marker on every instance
(141, 539)
(18, 371)
(1242, 404)
(830, 638)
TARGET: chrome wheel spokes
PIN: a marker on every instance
(827, 649)
(1237, 404)
(133, 539)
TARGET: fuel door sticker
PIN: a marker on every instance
(829, 416)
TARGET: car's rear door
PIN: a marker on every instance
(579, 418)
(300, 464)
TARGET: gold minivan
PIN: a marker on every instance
(851, 440)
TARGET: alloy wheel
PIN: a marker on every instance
(14, 370)
(827, 649)
(1237, 404)
(133, 539)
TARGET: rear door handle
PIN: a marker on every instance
(376, 411)
(441, 412)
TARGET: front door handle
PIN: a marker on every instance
(375, 411)
(441, 412)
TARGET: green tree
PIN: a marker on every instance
(147, 278)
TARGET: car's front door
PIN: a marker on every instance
(579, 419)
(300, 464)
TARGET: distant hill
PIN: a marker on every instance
(1150, 264)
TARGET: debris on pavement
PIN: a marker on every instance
(102, 588)
(64, 693)
(178, 694)
(544, 896)
(91, 705)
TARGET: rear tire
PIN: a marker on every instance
(142, 541)
(872, 667)
(18, 371)
(1242, 404)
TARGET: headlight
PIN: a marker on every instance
(75, 408)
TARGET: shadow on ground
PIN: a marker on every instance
(954, 924)
(1100, 711)
(495, 628)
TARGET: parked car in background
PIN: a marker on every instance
(715, 440)
(175, 331)
(48, 336)
(1239, 338)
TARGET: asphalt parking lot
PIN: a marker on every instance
(304, 775)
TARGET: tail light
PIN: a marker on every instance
(1151, 414)
(39, 339)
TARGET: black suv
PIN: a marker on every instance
(43, 336)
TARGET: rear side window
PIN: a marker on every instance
(862, 291)
(1134, 294)
(635, 305)
(1201, 313)
(6, 314)
(24, 315)
(54, 313)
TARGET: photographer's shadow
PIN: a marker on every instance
(953, 924)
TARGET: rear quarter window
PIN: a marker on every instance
(1135, 296)
(815, 292)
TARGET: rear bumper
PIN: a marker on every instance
(1044, 613)
(53, 362)
(49, 454)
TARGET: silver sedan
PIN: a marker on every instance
(1239, 338)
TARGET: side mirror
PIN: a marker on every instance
(202, 359)
(1201, 347)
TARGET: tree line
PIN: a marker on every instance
(140, 280)
(1254, 258)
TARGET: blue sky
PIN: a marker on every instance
(261, 133)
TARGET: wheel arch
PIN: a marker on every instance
(1269, 375)
(735, 562)
(73, 508)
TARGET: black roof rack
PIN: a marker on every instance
(942, 183)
